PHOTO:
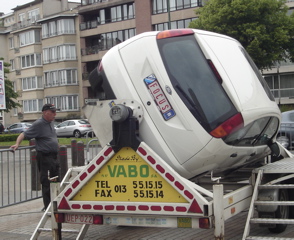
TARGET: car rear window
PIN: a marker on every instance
(84, 122)
(195, 82)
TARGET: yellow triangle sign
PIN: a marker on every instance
(127, 177)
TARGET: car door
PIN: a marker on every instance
(61, 129)
(71, 128)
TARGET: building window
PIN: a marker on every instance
(281, 85)
(174, 25)
(33, 15)
(11, 43)
(66, 26)
(59, 27)
(14, 111)
(33, 105)
(29, 37)
(31, 60)
(52, 29)
(12, 66)
(65, 103)
(61, 77)
(31, 83)
(68, 77)
(160, 6)
(45, 30)
(21, 17)
(66, 52)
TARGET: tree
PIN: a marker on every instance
(10, 94)
(261, 26)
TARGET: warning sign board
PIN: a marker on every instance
(129, 181)
(127, 177)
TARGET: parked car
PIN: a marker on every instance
(17, 127)
(286, 131)
(73, 128)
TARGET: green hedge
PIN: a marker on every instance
(8, 137)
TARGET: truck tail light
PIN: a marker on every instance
(204, 223)
(59, 217)
(97, 219)
(174, 33)
(231, 125)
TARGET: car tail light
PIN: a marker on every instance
(174, 33)
(85, 125)
(231, 125)
(215, 72)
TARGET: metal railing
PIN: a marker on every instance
(19, 175)
(16, 173)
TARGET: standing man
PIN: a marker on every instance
(46, 146)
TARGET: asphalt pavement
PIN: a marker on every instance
(19, 222)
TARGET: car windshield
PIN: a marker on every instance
(195, 82)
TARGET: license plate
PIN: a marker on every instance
(161, 100)
(79, 218)
(184, 222)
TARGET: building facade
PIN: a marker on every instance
(41, 46)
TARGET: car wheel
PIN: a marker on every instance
(282, 212)
(77, 134)
(284, 141)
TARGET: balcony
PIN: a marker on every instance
(85, 76)
(88, 25)
(26, 23)
(89, 2)
(92, 50)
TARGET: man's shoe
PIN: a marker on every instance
(43, 209)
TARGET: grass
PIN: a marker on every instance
(62, 141)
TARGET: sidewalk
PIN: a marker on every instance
(19, 222)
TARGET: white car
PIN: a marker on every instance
(206, 106)
(73, 128)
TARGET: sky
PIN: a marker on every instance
(7, 5)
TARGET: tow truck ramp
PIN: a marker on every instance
(276, 210)
(137, 188)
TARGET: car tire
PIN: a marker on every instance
(284, 140)
(77, 134)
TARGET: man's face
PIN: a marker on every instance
(49, 115)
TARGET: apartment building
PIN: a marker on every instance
(41, 45)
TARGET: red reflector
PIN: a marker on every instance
(100, 67)
(97, 219)
(231, 125)
(59, 217)
(204, 223)
(63, 204)
(195, 208)
(174, 33)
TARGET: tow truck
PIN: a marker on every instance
(188, 128)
